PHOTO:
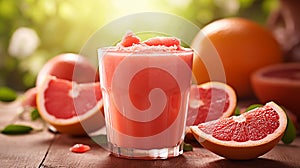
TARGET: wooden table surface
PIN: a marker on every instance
(47, 149)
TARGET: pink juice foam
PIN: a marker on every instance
(145, 89)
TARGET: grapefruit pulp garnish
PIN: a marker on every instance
(243, 137)
(210, 101)
(130, 39)
(163, 41)
(70, 107)
(80, 148)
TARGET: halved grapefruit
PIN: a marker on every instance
(210, 101)
(243, 137)
(279, 83)
(68, 66)
(70, 107)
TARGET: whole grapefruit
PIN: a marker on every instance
(242, 46)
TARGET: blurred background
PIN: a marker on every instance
(33, 31)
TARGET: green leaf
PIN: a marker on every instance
(35, 115)
(187, 147)
(237, 111)
(14, 129)
(7, 94)
(253, 106)
(290, 132)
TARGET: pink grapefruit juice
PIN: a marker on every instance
(145, 92)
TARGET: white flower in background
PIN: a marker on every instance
(180, 3)
(23, 42)
(230, 6)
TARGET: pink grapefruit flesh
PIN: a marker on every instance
(70, 107)
(210, 101)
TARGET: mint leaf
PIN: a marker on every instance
(14, 129)
(290, 132)
(7, 94)
(237, 111)
(35, 115)
(187, 147)
(253, 106)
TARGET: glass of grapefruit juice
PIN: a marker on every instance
(145, 89)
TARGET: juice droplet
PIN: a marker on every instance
(80, 148)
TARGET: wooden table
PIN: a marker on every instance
(46, 149)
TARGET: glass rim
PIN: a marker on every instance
(150, 51)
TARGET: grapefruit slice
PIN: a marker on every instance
(70, 107)
(243, 137)
(210, 101)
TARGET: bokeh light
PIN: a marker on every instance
(65, 26)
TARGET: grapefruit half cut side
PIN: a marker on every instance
(70, 107)
(279, 83)
(243, 137)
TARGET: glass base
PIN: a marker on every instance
(146, 154)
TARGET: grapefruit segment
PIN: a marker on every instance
(210, 101)
(243, 137)
(70, 107)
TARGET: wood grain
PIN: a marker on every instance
(21, 150)
(60, 156)
(46, 149)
